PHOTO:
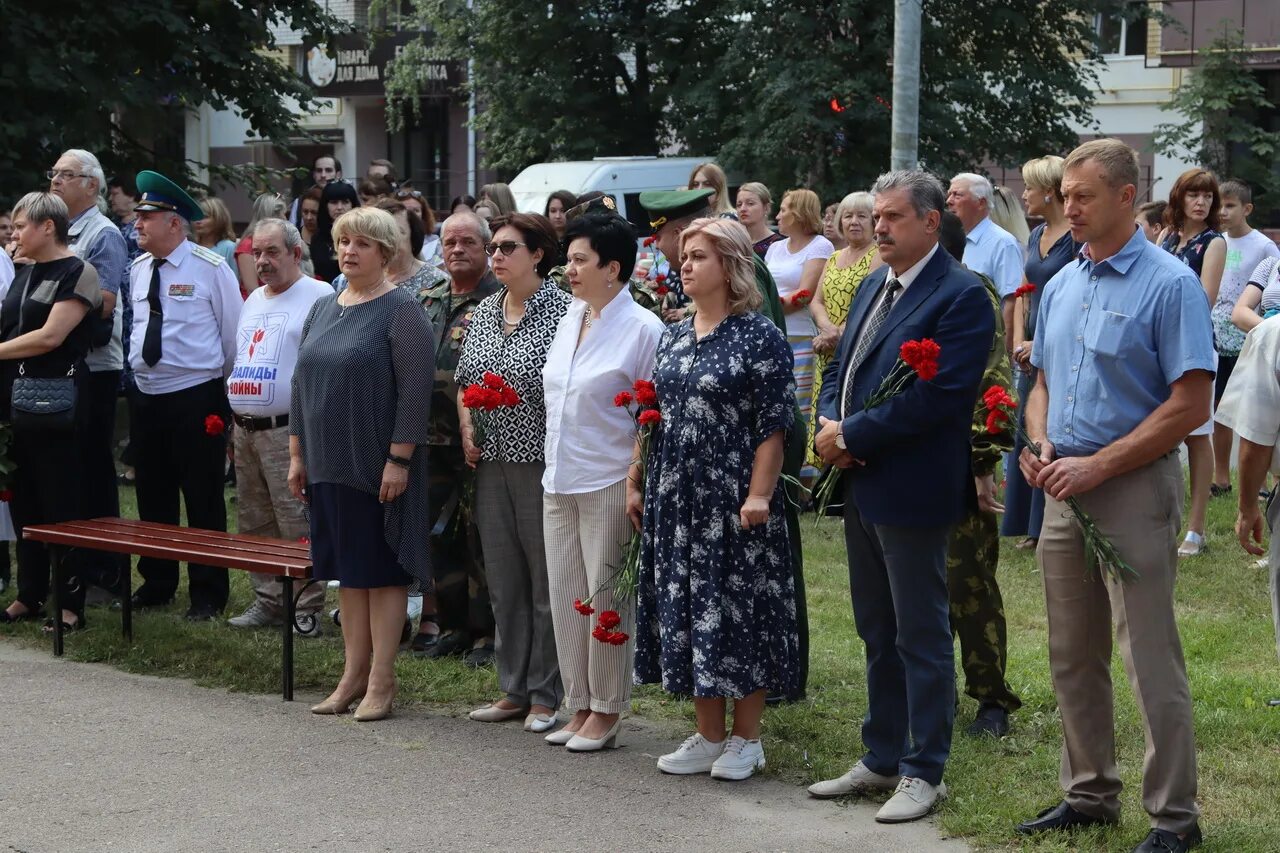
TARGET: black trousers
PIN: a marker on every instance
(47, 488)
(175, 456)
(462, 592)
(101, 498)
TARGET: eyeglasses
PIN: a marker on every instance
(64, 174)
(409, 194)
(506, 247)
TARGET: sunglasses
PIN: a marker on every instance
(506, 247)
(409, 194)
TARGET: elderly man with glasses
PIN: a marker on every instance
(77, 179)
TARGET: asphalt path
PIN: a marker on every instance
(100, 760)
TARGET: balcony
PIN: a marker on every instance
(1202, 21)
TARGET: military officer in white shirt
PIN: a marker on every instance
(186, 304)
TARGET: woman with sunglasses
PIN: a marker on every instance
(510, 335)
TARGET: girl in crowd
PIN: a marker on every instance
(831, 227)
(796, 264)
(215, 231)
(265, 206)
(1049, 249)
(336, 199)
(603, 345)
(499, 198)
(309, 206)
(843, 272)
(510, 335)
(45, 332)
(754, 206)
(709, 176)
(1190, 234)
(716, 601)
(360, 415)
(558, 204)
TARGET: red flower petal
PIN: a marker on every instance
(584, 609)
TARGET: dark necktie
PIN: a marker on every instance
(151, 343)
(867, 337)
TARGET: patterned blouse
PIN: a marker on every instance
(517, 434)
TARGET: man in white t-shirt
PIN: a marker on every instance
(267, 339)
(1246, 249)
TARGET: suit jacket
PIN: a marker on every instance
(916, 445)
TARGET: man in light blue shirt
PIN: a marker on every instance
(1126, 365)
(989, 249)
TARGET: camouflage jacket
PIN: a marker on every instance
(986, 449)
(450, 316)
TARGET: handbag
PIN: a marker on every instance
(43, 403)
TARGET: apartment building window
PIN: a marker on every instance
(1122, 33)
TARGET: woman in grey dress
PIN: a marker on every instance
(360, 409)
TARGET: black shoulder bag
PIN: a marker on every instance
(42, 403)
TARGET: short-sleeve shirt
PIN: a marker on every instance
(1266, 279)
(267, 340)
(1244, 254)
(200, 301)
(787, 269)
(1114, 335)
(997, 254)
(35, 290)
(515, 434)
(1250, 405)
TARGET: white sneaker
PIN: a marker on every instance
(911, 801)
(695, 755)
(257, 616)
(860, 778)
(741, 758)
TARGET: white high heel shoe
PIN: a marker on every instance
(539, 723)
(578, 743)
(559, 738)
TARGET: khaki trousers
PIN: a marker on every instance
(266, 507)
(585, 534)
(1140, 512)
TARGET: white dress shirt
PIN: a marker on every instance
(200, 298)
(997, 254)
(590, 441)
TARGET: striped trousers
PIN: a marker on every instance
(585, 534)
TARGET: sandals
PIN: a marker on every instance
(425, 642)
(6, 618)
(1193, 546)
(67, 627)
(1216, 491)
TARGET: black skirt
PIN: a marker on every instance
(348, 539)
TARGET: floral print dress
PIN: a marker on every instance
(716, 609)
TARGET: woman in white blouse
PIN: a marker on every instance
(603, 345)
(796, 264)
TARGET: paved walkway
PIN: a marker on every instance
(101, 760)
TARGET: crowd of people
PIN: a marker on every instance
(586, 454)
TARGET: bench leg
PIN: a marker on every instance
(55, 560)
(126, 599)
(286, 668)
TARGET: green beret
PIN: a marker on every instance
(666, 205)
(160, 193)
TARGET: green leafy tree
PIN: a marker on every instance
(116, 78)
(1222, 106)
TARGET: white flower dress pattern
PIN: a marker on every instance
(716, 610)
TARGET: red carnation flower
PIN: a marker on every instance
(214, 425)
(510, 398)
(616, 638)
(802, 297)
(601, 633)
(623, 398)
(661, 290)
(494, 381)
(610, 619)
(660, 278)
(646, 393)
(649, 417)
(650, 240)
(6, 495)
(1025, 289)
(584, 609)
(922, 357)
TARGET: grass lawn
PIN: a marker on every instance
(1226, 632)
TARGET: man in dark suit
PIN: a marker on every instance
(907, 479)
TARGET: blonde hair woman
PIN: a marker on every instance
(360, 411)
(709, 176)
(1007, 213)
(755, 203)
(841, 276)
(716, 605)
(796, 265)
(215, 231)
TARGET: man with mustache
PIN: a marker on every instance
(259, 392)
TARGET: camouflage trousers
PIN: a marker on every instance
(977, 610)
(462, 595)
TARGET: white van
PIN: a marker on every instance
(623, 178)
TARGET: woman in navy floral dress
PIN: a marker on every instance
(716, 602)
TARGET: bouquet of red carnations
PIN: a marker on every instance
(485, 397)
(1100, 553)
